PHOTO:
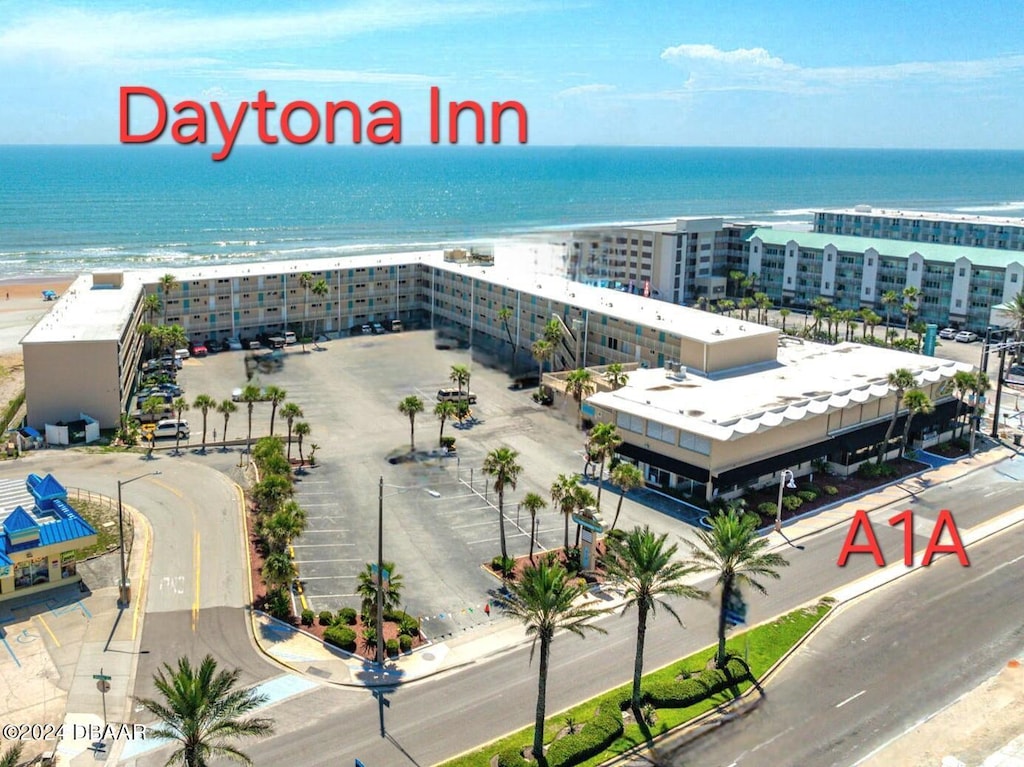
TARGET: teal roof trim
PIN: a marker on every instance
(930, 251)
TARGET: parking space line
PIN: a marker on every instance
(48, 631)
(472, 524)
(326, 578)
(3, 639)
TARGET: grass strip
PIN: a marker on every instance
(761, 646)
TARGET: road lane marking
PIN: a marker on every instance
(45, 626)
(852, 697)
(165, 486)
(195, 559)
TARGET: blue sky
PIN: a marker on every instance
(730, 73)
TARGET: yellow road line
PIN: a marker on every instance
(298, 583)
(140, 595)
(165, 486)
(45, 626)
(195, 602)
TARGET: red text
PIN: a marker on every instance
(944, 523)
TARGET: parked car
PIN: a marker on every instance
(378, 328)
(171, 427)
(1015, 375)
(290, 339)
(948, 333)
(254, 345)
(198, 350)
(366, 330)
(453, 395)
(236, 395)
(966, 337)
(171, 362)
(182, 354)
(233, 344)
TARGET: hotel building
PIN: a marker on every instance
(716, 400)
(919, 226)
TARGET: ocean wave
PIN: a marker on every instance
(997, 207)
(794, 212)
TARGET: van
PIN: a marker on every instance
(453, 395)
(182, 354)
(171, 427)
(396, 326)
(289, 338)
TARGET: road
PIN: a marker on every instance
(882, 664)
(435, 719)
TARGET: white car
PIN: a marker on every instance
(966, 337)
(948, 333)
(234, 344)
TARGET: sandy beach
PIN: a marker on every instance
(21, 306)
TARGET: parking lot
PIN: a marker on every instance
(440, 516)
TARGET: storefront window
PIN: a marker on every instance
(68, 565)
(31, 573)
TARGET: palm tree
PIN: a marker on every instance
(579, 384)
(563, 495)
(899, 380)
(320, 289)
(745, 305)
(783, 313)
(460, 376)
(604, 438)
(626, 477)
(12, 756)
(542, 351)
(736, 277)
(444, 410)
(553, 331)
(180, 406)
(302, 429)
(545, 600)
(890, 298)
(501, 464)
(1015, 308)
(963, 383)
(981, 385)
(271, 493)
(202, 711)
(251, 394)
(290, 412)
(533, 503)
(643, 564)
(305, 282)
(226, 408)
(366, 590)
(283, 526)
(912, 296)
(167, 283)
(278, 569)
(151, 304)
(725, 306)
(275, 395)
(918, 403)
(504, 315)
(615, 375)
(410, 406)
(204, 403)
(733, 550)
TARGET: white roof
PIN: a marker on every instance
(88, 311)
(865, 210)
(810, 380)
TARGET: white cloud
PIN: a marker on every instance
(585, 90)
(754, 69)
(88, 36)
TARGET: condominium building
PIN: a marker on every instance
(958, 284)
(676, 261)
(920, 226)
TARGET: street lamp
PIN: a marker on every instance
(782, 484)
(124, 593)
(380, 558)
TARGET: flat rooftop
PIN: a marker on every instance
(930, 251)
(923, 215)
(91, 309)
(809, 380)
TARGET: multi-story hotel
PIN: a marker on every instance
(919, 226)
(729, 401)
(959, 285)
(675, 261)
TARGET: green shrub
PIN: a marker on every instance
(347, 615)
(326, 617)
(404, 642)
(511, 757)
(503, 565)
(341, 636)
(595, 736)
(391, 646)
(617, 534)
(448, 441)
(279, 604)
(877, 471)
(831, 490)
(409, 626)
(307, 617)
(807, 495)
(792, 502)
(677, 693)
(767, 508)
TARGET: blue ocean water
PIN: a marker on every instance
(70, 209)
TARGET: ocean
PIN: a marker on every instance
(80, 208)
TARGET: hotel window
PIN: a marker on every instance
(871, 262)
(829, 259)
(695, 443)
(913, 267)
(629, 422)
(962, 271)
(1013, 277)
(959, 303)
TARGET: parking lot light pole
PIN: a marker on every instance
(124, 592)
(782, 484)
